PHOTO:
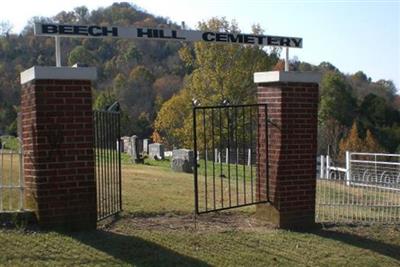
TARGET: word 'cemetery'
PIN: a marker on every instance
(95, 31)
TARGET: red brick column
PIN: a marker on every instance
(57, 131)
(292, 99)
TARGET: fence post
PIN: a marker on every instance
(328, 166)
(322, 164)
(348, 168)
(226, 156)
(291, 171)
(58, 141)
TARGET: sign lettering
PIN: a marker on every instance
(95, 31)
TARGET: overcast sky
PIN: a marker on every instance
(352, 35)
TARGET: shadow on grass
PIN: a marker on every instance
(134, 250)
(377, 246)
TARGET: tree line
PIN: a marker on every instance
(155, 81)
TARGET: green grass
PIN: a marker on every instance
(10, 142)
(157, 228)
(217, 169)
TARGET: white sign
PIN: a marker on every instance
(95, 31)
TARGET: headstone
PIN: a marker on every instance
(126, 144)
(156, 151)
(146, 146)
(135, 153)
(182, 160)
(168, 154)
(132, 148)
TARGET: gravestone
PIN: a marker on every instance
(135, 152)
(182, 160)
(156, 151)
(126, 144)
(146, 146)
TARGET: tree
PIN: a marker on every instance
(336, 100)
(360, 76)
(330, 132)
(142, 125)
(8, 119)
(81, 55)
(104, 100)
(371, 144)
(5, 28)
(167, 86)
(81, 14)
(132, 54)
(352, 142)
(173, 122)
(376, 112)
(219, 72)
(119, 83)
(389, 138)
(141, 74)
(327, 67)
(385, 89)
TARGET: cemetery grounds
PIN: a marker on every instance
(158, 228)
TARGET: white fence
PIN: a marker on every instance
(234, 156)
(11, 180)
(366, 189)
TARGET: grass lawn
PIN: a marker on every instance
(157, 228)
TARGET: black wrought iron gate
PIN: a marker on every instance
(227, 156)
(108, 163)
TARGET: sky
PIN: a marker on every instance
(352, 35)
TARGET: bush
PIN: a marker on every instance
(10, 142)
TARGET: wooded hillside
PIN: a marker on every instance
(154, 80)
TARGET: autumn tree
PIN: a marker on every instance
(219, 72)
(371, 144)
(353, 142)
(173, 124)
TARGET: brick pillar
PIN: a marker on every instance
(292, 99)
(57, 132)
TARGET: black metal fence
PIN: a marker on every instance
(227, 156)
(108, 163)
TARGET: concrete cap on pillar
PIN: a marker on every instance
(58, 73)
(284, 76)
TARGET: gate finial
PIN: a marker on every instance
(195, 102)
